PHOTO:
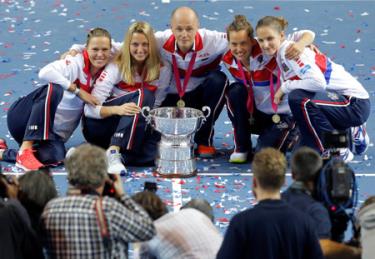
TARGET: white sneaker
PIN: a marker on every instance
(361, 140)
(238, 158)
(346, 155)
(115, 165)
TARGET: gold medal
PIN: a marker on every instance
(276, 118)
(180, 103)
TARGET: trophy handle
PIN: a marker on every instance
(145, 110)
(208, 109)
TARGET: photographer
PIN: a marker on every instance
(17, 238)
(305, 165)
(93, 226)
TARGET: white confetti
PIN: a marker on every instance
(339, 19)
(307, 10)
(329, 42)
(144, 13)
(230, 10)
(364, 14)
(357, 40)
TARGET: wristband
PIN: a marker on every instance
(76, 91)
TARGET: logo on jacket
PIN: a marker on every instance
(285, 67)
(333, 96)
(204, 55)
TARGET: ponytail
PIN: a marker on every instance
(240, 23)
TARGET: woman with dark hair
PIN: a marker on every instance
(36, 189)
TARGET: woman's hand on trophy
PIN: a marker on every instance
(129, 109)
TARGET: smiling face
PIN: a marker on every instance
(139, 47)
(240, 45)
(269, 39)
(99, 50)
(184, 25)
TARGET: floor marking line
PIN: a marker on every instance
(176, 194)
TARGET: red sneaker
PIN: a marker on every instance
(27, 161)
(3, 144)
(206, 151)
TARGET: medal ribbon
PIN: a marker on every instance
(272, 90)
(182, 88)
(249, 86)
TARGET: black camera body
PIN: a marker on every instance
(109, 189)
(150, 186)
(336, 186)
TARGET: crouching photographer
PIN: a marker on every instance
(306, 165)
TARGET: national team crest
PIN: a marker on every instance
(333, 96)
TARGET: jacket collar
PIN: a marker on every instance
(171, 44)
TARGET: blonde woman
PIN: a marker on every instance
(135, 79)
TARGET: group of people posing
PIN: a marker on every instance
(285, 90)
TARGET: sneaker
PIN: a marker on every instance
(346, 155)
(115, 165)
(238, 158)
(206, 151)
(3, 144)
(361, 140)
(27, 161)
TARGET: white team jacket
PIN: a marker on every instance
(210, 47)
(315, 72)
(65, 72)
(111, 84)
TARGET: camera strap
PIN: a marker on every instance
(102, 223)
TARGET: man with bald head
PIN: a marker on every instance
(197, 81)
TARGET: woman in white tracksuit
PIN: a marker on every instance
(322, 95)
(44, 120)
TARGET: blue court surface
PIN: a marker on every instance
(34, 33)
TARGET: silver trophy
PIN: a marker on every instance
(176, 148)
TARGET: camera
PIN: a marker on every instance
(336, 185)
(109, 189)
(150, 186)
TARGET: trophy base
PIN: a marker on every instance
(175, 175)
(176, 168)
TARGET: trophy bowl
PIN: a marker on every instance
(175, 121)
(176, 148)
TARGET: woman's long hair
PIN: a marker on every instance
(125, 61)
